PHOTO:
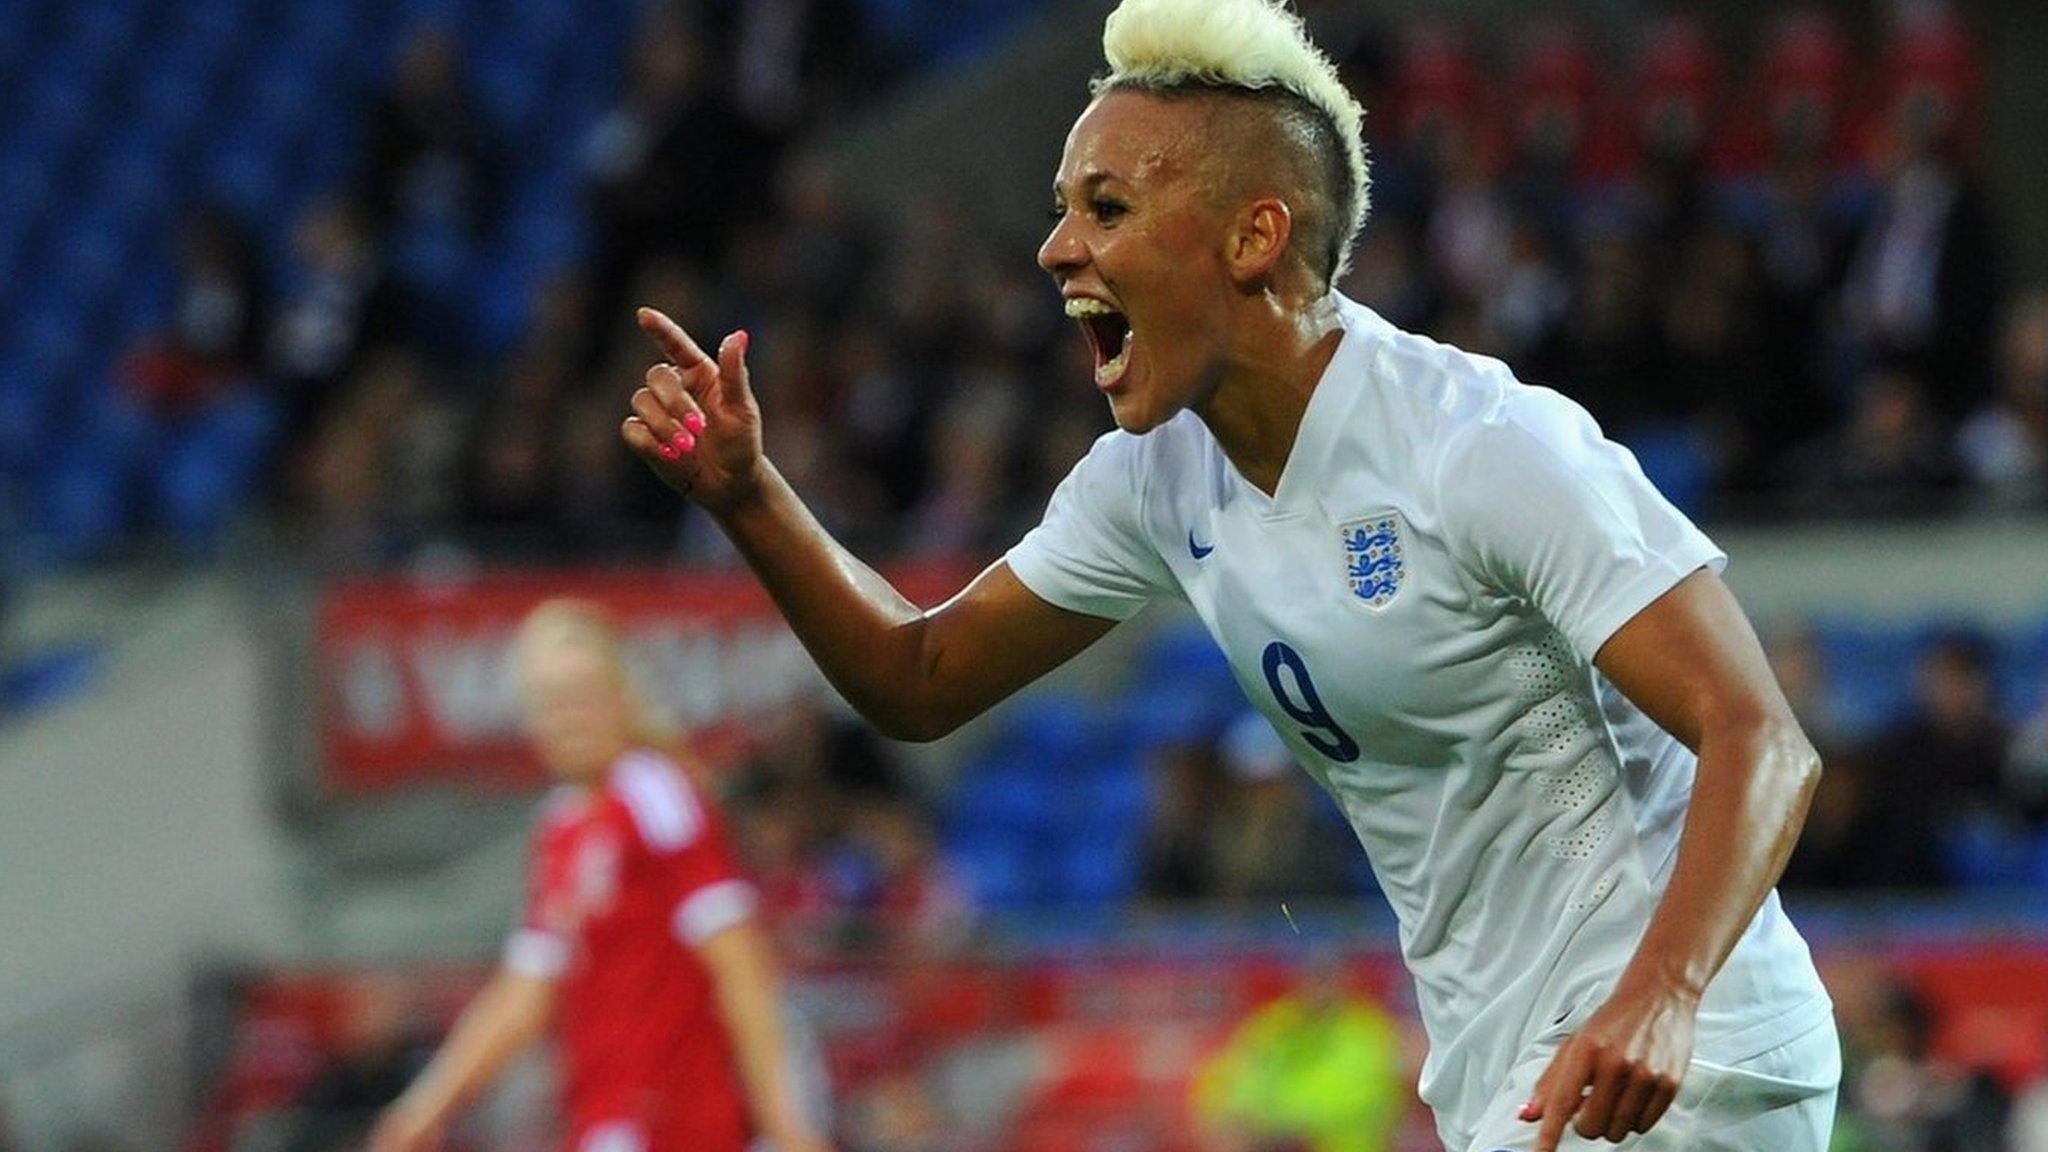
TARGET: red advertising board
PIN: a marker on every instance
(416, 684)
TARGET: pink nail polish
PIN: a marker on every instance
(684, 442)
(694, 421)
(669, 451)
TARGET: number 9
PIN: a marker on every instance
(1322, 730)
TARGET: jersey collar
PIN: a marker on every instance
(1322, 422)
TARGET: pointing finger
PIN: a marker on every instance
(670, 338)
(1566, 1093)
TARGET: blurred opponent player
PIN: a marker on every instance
(1508, 658)
(639, 935)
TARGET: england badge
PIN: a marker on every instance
(1372, 557)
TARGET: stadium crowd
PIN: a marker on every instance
(1775, 275)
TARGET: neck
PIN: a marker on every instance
(1278, 353)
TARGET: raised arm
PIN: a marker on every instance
(1692, 663)
(505, 1017)
(915, 674)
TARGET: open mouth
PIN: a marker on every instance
(1109, 337)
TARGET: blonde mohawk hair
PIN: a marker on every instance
(1254, 45)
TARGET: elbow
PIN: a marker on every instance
(913, 725)
(1795, 760)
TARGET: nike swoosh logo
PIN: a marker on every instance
(1196, 550)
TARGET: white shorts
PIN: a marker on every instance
(1782, 1100)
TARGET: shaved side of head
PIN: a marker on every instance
(1251, 144)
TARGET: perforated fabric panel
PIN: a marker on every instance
(1562, 722)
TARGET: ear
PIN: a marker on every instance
(1258, 239)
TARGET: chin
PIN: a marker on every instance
(1138, 415)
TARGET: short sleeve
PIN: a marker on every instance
(1538, 504)
(1089, 553)
(692, 856)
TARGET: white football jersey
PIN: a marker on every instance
(1416, 609)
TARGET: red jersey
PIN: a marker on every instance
(625, 880)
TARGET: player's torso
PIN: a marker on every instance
(599, 890)
(1462, 737)
(635, 1002)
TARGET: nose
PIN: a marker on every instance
(1062, 253)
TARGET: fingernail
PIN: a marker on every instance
(669, 451)
(684, 442)
(1529, 1111)
(694, 421)
(745, 340)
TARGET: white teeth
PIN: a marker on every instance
(1082, 306)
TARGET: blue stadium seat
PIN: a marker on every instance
(1001, 872)
(2023, 673)
(1007, 797)
(1096, 870)
(1675, 458)
(1116, 798)
(84, 509)
(1055, 730)
(207, 474)
(1870, 669)
(27, 401)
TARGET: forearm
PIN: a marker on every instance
(497, 1026)
(865, 636)
(749, 996)
(1755, 780)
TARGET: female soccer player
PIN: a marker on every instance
(639, 935)
(1471, 617)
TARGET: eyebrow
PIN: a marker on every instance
(1091, 180)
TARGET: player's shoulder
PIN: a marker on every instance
(1459, 401)
(655, 793)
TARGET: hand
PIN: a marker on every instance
(1632, 1054)
(405, 1127)
(695, 421)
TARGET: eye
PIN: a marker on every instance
(1107, 210)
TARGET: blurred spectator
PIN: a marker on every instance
(898, 1114)
(1846, 843)
(1924, 285)
(432, 159)
(1269, 842)
(644, 163)
(1898, 1095)
(382, 1047)
(917, 909)
(792, 60)
(334, 303)
(781, 831)
(432, 183)
(962, 511)
(1891, 458)
(2004, 445)
(1802, 673)
(213, 341)
(1177, 858)
(189, 427)
(1942, 765)
(1319, 1069)
(2026, 770)
(379, 473)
